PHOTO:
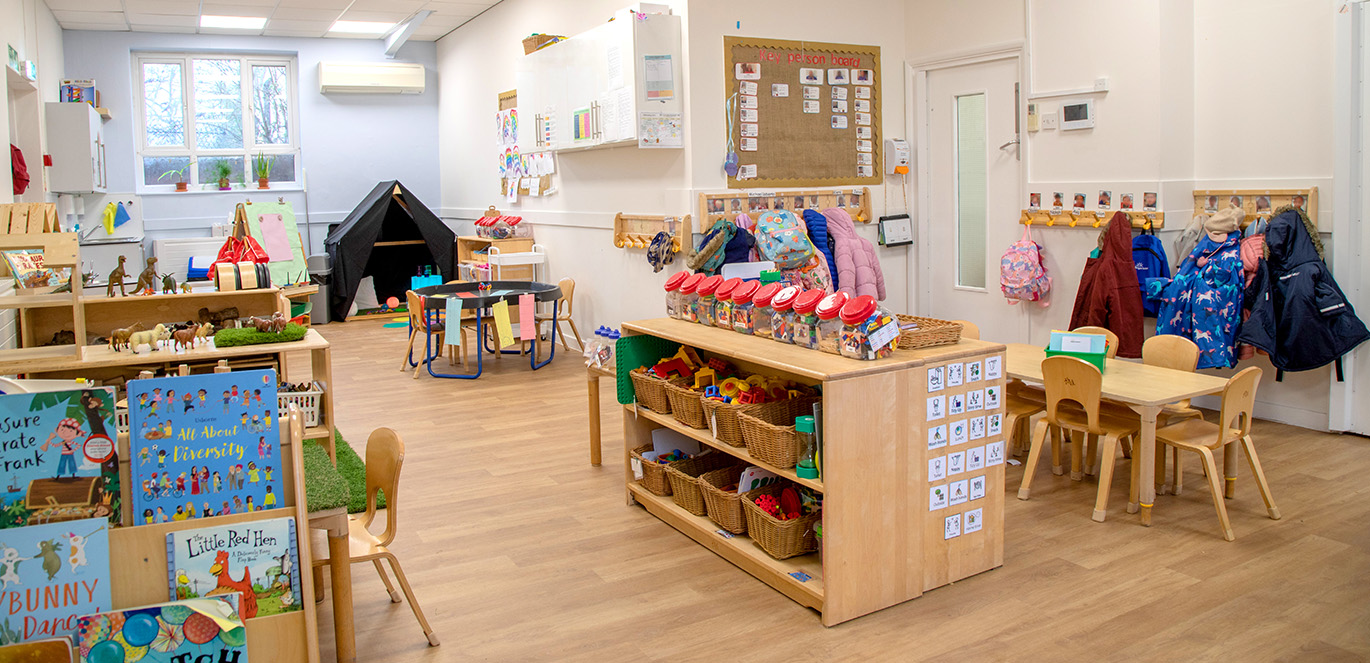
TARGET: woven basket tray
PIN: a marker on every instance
(930, 332)
(781, 539)
(684, 474)
(685, 405)
(724, 508)
(653, 473)
(726, 427)
(651, 391)
(769, 430)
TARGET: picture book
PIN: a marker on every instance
(47, 650)
(57, 457)
(26, 266)
(188, 631)
(260, 559)
(50, 575)
(204, 445)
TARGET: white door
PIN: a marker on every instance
(972, 187)
(1355, 286)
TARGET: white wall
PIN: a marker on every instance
(348, 142)
(478, 61)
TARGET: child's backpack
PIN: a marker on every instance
(1148, 257)
(781, 238)
(1022, 277)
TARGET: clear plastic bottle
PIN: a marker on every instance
(829, 322)
(743, 306)
(868, 330)
(705, 310)
(762, 310)
(782, 314)
(723, 303)
(805, 320)
(673, 295)
(806, 448)
(689, 298)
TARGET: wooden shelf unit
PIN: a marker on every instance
(882, 544)
(467, 245)
(103, 314)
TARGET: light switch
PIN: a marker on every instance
(1049, 121)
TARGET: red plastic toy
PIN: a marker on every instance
(664, 369)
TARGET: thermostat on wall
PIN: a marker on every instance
(1077, 115)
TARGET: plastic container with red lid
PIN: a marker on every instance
(723, 303)
(829, 324)
(743, 306)
(868, 330)
(762, 309)
(689, 298)
(782, 313)
(704, 311)
(672, 288)
(806, 320)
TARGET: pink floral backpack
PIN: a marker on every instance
(1022, 277)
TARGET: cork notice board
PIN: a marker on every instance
(805, 113)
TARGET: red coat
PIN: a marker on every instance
(1109, 295)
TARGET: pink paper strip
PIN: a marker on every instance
(274, 239)
(527, 330)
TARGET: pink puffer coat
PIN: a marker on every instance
(858, 269)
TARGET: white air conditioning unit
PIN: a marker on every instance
(371, 77)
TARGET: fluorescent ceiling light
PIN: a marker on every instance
(361, 27)
(233, 22)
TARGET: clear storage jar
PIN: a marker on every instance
(706, 290)
(805, 320)
(723, 303)
(673, 295)
(782, 313)
(689, 298)
(869, 331)
(743, 306)
(830, 322)
(762, 310)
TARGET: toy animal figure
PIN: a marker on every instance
(168, 284)
(117, 277)
(52, 562)
(227, 585)
(185, 338)
(63, 337)
(158, 333)
(119, 337)
(147, 280)
(185, 287)
(204, 331)
(275, 324)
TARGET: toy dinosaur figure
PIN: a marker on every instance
(147, 281)
(168, 284)
(117, 277)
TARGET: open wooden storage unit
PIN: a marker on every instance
(881, 543)
(105, 313)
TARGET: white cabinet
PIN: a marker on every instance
(76, 141)
(590, 90)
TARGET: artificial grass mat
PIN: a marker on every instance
(227, 338)
(328, 488)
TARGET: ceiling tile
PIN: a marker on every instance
(315, 4)
(304, 14)
(405, 7)
(234, 10)
(113, 19)
(74, 25)
(163, 20)
(316, 27)
(146, 27)
(166, 7)
(85, 5)
(227, 31)
(290, 33)
(388, 17)
(471, 8)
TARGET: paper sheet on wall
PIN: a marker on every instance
(660, 130)
(527, 330)
(615, 58)
(274, 239)
(453, 335)
(623, 119)
(502, 324)
(659, 79)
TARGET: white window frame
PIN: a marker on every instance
(188, 149)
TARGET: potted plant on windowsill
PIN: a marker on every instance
(261, 164)
(179, 174)
(223, 170)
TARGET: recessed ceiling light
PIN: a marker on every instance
(361, 27)
(233, 22)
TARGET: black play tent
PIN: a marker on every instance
(390, 237)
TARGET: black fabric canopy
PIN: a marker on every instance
(390, 213)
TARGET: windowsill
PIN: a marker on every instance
(285, 187)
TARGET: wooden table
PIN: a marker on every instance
(334, 521)
(592, 376)
(1145, 389)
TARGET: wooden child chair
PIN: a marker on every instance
(568, 290)
(1112, 338)
(1071, 380)
(1181, 354)
(418, 324)
(968, 329)
(1021, 404)
(384, 458)
(1234, 425)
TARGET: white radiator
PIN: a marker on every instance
(173, 255)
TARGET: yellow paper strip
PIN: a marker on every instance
(502, 324)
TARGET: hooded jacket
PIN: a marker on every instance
(1203, 303)
(818, 234)
(1299, 315)
(1109, 295)
(858, 270)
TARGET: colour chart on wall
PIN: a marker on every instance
(802, 113)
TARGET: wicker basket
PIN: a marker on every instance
(650, 390)
(769, 430)
(685, 405)
(724, 415)
(684, 483)
(930, 332)
(653, 473)
(724, 508)
(781, 539)
(534, 42)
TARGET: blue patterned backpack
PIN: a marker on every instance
(781, 238)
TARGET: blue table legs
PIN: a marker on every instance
(431, 353)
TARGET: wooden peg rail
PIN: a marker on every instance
(635, 231)
(1141, 220)
(715, 206)
(1257, 203)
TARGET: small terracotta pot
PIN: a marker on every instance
(261, 183)
(181, 186)
(224, 185)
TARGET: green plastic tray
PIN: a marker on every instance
(1094, 358)
(632, 352)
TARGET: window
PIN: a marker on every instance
(971, 195)
(202, 110)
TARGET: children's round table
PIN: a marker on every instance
(481, 302)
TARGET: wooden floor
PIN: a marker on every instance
(520, 551)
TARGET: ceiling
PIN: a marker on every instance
(285, 18)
